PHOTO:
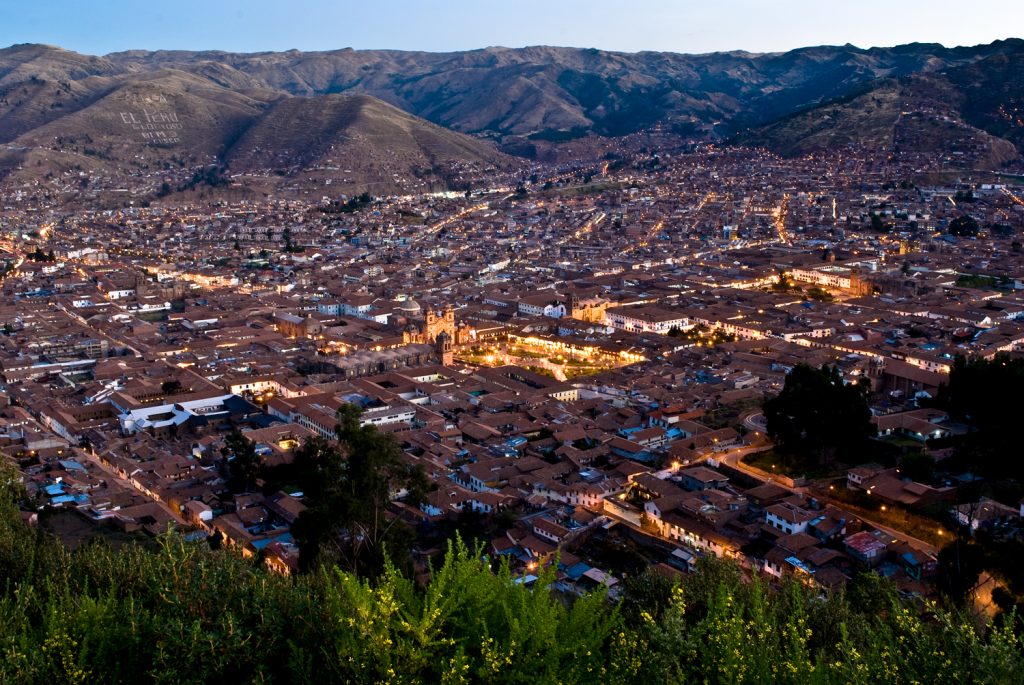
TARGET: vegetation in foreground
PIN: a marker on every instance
(185, 613)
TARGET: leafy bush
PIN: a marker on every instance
(188, 614)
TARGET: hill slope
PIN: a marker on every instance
(183, 613)
(63, 119)
(536, 89)
(531, 90)
(974, 112)
(285, 112)
(360, 135)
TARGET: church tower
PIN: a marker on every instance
(443, 346)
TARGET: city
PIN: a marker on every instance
(583, 353)
(659, 362)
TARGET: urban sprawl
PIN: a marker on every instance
(577, 357)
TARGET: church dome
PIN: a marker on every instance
(410, 306)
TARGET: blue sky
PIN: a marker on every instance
(102, 26)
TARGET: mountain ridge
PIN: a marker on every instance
(60, 110)
(522, 91)
(977, 110)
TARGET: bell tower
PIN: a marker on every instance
(443, 347)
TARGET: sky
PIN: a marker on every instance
(101, 26)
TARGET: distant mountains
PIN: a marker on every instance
(975, 112)
(63, 113)
(319, 109)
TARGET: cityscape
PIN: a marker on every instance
(775, 361)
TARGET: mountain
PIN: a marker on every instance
(362, 136)
(975, 112)
(993, 95)
(380, 119)
(65, 114)
(537, 90)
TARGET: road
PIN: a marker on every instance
(756, 422)
(734, 458)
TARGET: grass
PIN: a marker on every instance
(893, 516)
(914, 445)
(74, 530)
(473, 359)
(579, 373)
(524, 354)
(540, 370)
(729, 415)
(978, 281)
(152, 316)
(773, 462)
(591, 188)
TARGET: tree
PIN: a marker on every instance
(647, 593)
(877, 224)
(819, 294)
(960, 565)
(243, 462)
(918, 466)
(349, 487)
(964, 226)
(1001, 230)
(170, 387)
(783, 283)
(818, 416)
(984, 394)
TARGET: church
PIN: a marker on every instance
(436, 328)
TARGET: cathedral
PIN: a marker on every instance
(433, 328)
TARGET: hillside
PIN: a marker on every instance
(915, 115)
(106, 126)
(273, 116)
(993, 95)
(184, 613)
(534, 90)
(357, 136)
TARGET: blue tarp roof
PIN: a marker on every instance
(799, 564)
(71, 465)
(260, 544)
(577, 570)
(67, 499)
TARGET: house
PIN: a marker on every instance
(550, 530)
(985, 513)
(858, 475)
(198, 513)
(829, 525)
(700, 478)
(868, 547)
(919, 424)
(788, 518)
